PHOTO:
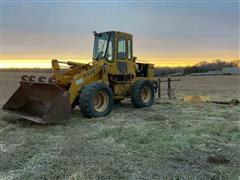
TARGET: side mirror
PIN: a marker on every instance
(94, 33)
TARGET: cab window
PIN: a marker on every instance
(121, 51)
(110, 51)
(103, 46)
(129, 49)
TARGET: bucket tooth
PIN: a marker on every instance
(42, 79)
(32, 78)
(51, 80)
(25, 77)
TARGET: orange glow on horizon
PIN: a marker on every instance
(32, 63)
(158, 62)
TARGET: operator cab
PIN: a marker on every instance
(116, 49)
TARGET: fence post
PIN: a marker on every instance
(159, 88)
(169, 84)
(171, 94)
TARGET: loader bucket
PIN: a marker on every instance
(40, 102)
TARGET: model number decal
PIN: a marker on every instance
(90, 72)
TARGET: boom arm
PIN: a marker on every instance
(65, 78)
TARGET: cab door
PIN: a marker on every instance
(130, 63)
(124, 55)
(121, 54)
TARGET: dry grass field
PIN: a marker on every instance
(170, 140)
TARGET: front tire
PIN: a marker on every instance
(142, 94)
(96, 100)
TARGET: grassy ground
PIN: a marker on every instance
(170, 140)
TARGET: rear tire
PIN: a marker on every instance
(96, 100)
(142, 94)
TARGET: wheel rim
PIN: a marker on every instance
(100, 101)
(146, 94)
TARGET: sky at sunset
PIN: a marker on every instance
(166, 33)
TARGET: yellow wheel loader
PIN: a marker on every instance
(112, 76)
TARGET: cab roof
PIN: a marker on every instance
(117, 32)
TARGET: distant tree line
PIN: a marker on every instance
(201, 67)
(165, 71)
